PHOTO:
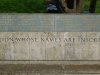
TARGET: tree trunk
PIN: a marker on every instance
(80, 5)
(92, 6)
(71, 6)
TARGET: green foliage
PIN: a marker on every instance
(32, 6)
(87, 4)
(98, 6)
(22, 6)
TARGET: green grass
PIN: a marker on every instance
(86, 6)
(98, 6)
(32, 6)
(29, 6)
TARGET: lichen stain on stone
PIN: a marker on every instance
(2, 51)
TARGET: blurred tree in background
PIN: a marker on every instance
(92, 6)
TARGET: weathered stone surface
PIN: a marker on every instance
(50, 69)
(50, 46)
(25, 53)
(49, 53)
(49, 23)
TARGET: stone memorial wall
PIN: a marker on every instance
(38, 44)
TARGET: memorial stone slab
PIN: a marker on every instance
(49, 44)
